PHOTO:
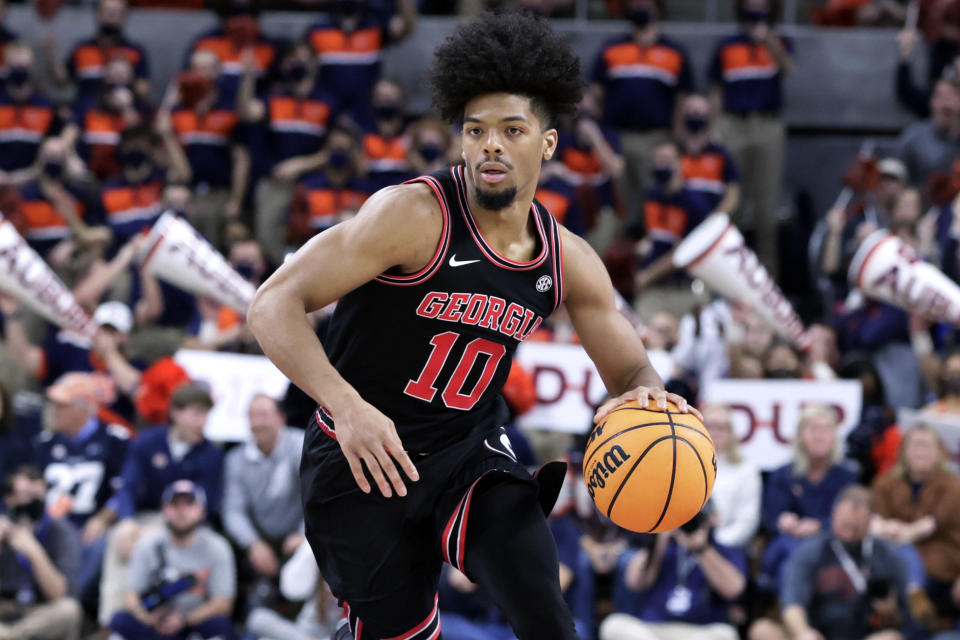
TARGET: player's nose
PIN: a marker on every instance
(493, 145)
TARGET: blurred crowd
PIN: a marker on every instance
(120, 517)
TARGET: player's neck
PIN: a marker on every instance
(507, 230)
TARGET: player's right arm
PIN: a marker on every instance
(398, 227)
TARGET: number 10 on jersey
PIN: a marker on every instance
(453, 395)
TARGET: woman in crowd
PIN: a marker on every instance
(918, 504)
(737, 491)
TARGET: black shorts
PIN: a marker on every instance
(382, 557)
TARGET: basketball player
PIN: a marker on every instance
(438, 281)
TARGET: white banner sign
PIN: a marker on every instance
(766, 412)
(233, 380)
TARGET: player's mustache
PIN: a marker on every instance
(498, 160)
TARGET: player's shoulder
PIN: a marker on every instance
(404, 205)
(581, 265)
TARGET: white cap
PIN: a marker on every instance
(116, 314)
(893, 167)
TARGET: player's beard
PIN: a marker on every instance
(495, 200)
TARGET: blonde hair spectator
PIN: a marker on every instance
(817, 423)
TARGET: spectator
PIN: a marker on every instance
(238, 43)
(688, 584)
(798, 497)
(431, 146)
(914, 97)
(932, 144)
(560, 199)
(182, 580)
(593, 167)
(874, 443)
(296, 114)
(781, 362)
(918, 503)
(385, 147)
(262, 513)
(843, 583)
(204, 139)
(737, 490)
(747, 75)
(640, 76)
(157, 458)
(707, 166)
(133, 200)
(87, 60)
(39, 561)
(6, 37)
(701, 346)
(16, 433)
(100, 119)
(54, 210)
(671, 211)
(22, 136)
(948, 401)
(348, 43)
(323, 198)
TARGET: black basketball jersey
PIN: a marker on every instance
(432, 349)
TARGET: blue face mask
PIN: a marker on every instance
(430, 152)
(18, 76)
(695, 124)
(754, 17)
(639, 17)
(662, 175)
(134, 158)
(386, 112)
(297, 72)
(339, 159)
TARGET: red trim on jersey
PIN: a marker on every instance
(559, 251)
(327, 430)
(423, 626)
(492, 254)
(431, 267)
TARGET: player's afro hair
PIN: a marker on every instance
(508, 52)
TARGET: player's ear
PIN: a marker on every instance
(550, 137)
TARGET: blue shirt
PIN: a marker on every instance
(45, 225)
(749, 75)
(207, 140)
(297, 126)
(783, 492)
(23, 127)
(350, 62)
(149, 468)
(128, 208)
(83, 471)
(709, 173)
(682, 569)
(87, 59)
(670, 217)
(641, 83)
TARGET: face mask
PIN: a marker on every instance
(662, 175)
(781, 374)
(754, 17)
(134, 158)
(430, 152)
(245, 269)
(386, 112)
(951, 385)
(695, 124)
(639, 17)
(32, 511)
(297, 72)
(52, 169)
(18, 76)
(339, 159)
(110, 30)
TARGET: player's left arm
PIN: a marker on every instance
(608, 337)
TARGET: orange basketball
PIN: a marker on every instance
(649, 470)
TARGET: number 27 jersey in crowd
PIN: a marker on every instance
(432, 349)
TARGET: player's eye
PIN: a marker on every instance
(474, 131)
(514, 131)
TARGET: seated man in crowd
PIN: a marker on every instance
(842, 584)
(261, 495)
(39, 561)
(182, 580)
(158, 457)
(688, 582)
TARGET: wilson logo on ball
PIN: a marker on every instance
(606, 467)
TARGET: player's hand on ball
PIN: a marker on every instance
(643, 395)
(369, 438)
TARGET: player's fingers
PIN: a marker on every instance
(680, 401)
(390, 469)
(605, 408)
(660, 397)
(400, 455)
(373, 468)
(357, 470)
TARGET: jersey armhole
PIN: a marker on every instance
(424, 274)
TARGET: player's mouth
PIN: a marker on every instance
(492, 172)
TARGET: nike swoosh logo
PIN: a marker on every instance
(459, 263)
